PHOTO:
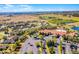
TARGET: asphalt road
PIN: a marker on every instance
(27, 47)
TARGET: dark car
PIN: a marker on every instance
(36, 38)
(31, 45)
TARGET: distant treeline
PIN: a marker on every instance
(73, 13)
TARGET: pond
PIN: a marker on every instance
(76, 28)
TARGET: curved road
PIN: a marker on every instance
(27, 47)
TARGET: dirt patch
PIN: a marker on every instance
(17, 18)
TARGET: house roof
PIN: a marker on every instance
(60, 32)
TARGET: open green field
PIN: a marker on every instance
(59, 19)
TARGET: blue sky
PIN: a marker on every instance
(38, 7)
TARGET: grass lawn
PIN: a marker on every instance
(75, 19)
(61, 21)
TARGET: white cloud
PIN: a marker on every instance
(8, 5)
(15, 8)
(28, 8)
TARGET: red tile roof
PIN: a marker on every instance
(60, 32)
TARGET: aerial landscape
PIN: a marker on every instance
(39, 28)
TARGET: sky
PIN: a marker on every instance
(38, 7)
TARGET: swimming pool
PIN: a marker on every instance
(75, 28)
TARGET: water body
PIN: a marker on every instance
(76, 28)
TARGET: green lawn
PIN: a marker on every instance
(61, 21)
(75, 19)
